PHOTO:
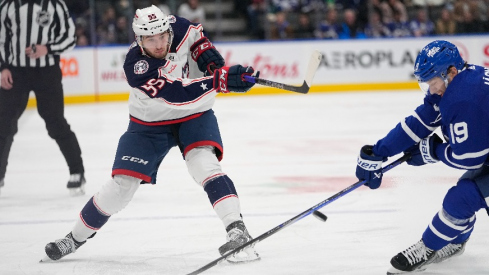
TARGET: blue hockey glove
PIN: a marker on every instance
(369, 167)
(425, 151)
(231, 79)
(207, 57)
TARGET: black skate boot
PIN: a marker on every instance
(448, 251)
(238, 235)
(76, 184)
(62, 247)
(415, 258)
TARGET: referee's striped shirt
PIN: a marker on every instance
(27, 22)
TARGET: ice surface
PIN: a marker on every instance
(285, 153)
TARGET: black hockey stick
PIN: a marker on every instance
(304, 88)
(296, 218)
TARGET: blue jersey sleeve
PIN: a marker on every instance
(412, 129)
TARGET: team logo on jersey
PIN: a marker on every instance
(141, 67)
(43, 18)
(172, 19)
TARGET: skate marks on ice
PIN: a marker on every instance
(288, 153)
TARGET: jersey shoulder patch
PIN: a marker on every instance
(141, 67)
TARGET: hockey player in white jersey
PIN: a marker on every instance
(457, 100)
(175, 73)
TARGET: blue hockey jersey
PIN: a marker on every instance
(171, 90)
(463, 115)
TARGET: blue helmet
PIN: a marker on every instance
(435, 59)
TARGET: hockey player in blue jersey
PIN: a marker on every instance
(457, 100)
(175, 73)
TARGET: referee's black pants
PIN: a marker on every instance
(47, 87)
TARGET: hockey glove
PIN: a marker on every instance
(207, 57)
(369, 167)
(425, 151)
(231, 79)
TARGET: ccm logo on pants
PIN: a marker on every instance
(134, 159)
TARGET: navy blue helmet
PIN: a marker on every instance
(435, 59)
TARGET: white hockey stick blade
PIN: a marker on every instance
(312, 67)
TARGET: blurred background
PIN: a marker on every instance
(108, 22)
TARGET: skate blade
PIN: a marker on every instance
(79, 191)
(247, 255)
(395, 271)
(46, 259)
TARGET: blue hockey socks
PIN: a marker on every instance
(455, 222)
(92, 217)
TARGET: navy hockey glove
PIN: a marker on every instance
(207, 57)
(369, 167)
(231, 79)
(425, 151)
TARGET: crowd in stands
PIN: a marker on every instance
(110, 21)
(347, 19)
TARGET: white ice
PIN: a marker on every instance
(285, 154)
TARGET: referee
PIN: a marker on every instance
(33, 34)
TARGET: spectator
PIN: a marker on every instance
(376, 28)
(422, 25)
(328, 29)
(359, 6)
(460, 7)
(256, 10)
(304, 29)
(193, 11)
(81, 32)
(446, 24)
(350, 27)
(123, 8)
(469, 24)
(400, 8)
(123, 36)
(281, 28)
(82, 41)
(384, 10)
(399, 28)
(106, 29)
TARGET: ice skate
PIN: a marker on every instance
(2, 183)
(237, 236)
(413, 259)
(448, 251)
(62, 247)
(76, 184)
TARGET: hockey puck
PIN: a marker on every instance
(320, 216)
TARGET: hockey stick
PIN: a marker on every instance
(302, 215)
(304, 89)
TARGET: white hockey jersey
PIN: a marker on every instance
(171, 90)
